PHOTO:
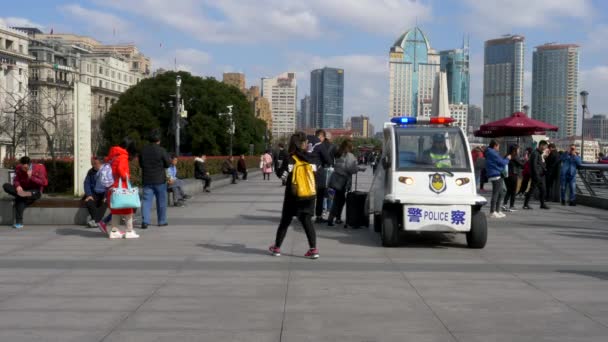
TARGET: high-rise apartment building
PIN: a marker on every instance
(503, 77)
(455, 63)
(555, 87)
(281, 92)
(14, 70)
(413, 70)
(596, 127)
(327, 97)
(234, 79)
(474, 118)
(260, 106)
(360, 126)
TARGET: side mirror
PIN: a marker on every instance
(386, 162)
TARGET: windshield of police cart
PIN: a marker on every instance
(431, 149)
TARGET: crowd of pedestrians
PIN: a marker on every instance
(542, 172)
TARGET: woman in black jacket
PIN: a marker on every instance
(292, 205)
(200, 172)
(516, 165)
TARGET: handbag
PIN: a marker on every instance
(125, 198)
(337, 182)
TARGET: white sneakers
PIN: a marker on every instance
(115, 234)
(131, 234)
(497, 214)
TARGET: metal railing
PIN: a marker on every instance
(592, 183)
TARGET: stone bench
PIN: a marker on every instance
(51, 210)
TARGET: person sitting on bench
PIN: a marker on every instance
(228, 169)
(175, 184)
(94, 198)
(200, 172)
(30, 180)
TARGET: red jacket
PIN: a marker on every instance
(38, 180)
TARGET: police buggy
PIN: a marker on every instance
(425, 182)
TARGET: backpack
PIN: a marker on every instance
(104, 178)
(303, 180)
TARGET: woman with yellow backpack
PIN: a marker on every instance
(300, 194)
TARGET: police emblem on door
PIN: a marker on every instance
(437, 183)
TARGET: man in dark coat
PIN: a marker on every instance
(154, 161)
(94, 200)
(538, 172)
(228, 169)
(320, 157)
(553, 162)
(200, 172)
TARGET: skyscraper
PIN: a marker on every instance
(455, 63)
(554, 87)
(281, 92)
(327, 97)
(596, 127)
(360, 126)
(503, 77)
(474, 118)
(305, 113)
(413, 69)
(235, 79)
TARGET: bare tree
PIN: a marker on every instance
(12, 110)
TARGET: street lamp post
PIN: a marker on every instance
(584, 94)
(178, 83)
(231, 128)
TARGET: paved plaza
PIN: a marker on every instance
(543, 276)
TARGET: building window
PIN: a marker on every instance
(113, 74)
(101, 70)
(20, 86)
(100, 84)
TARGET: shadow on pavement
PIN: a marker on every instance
(595, 274)
(87, 233)
(237, 248)
(274, 219)
(592, 234)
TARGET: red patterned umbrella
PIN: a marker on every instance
(517, 125)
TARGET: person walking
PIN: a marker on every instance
(94, 199)
(30, 180)
(341, 180)
(538, 171)
(515, 168)
(119, 157)
(281, 157)
(495, 167)
(571, 161)
(154, 160)
(266, 165)
(525, 174)
(200, 172)
(241, 167)
(303, 209)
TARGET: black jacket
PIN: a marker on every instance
(516, 165)
(279, 159)
(552, 162)
(154, 160)
(538, 169)
(200, 170)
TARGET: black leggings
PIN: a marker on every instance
(306, 221)
(266, 176)
(511, 183)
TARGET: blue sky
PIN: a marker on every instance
(267, 37)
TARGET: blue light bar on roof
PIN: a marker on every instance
(404, 120)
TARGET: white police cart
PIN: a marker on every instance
(426, 182)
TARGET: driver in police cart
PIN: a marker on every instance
(438, 155)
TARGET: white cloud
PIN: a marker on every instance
(194, 61)
(595, 81)
(271, 20)
(19, 22)
(491, 17)
(101, 25)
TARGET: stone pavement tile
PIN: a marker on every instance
(230, 287)
(516, 336)
(364, 287)
(7, 290)
(181, 335)
(230, 320)
(574, 290)
(59, 320)
(456, 275)
(51, 335)
(220, 277)
(83, 304)
(354, 323)
(18, 276)
(386, 336)
(204, 302)
(94, 289)
(361, 303)
(525, 322)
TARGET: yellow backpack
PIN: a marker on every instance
(303, 184)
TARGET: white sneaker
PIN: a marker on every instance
(131, 234)
(92, 224)
(495, 215)
(115, 234)
(501, 214)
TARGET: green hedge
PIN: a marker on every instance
(61, 180)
